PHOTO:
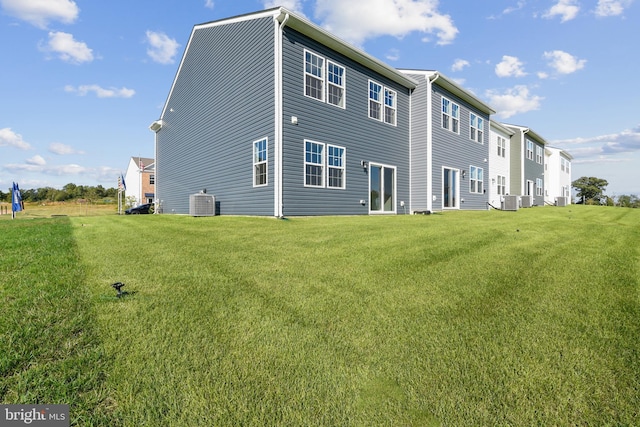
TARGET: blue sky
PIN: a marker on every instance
(81, 80)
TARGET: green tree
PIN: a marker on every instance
(590, 188)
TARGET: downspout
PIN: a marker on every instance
(523, 181)
(430, 142)
(278, 131)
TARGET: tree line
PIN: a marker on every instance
(591, 192)
(68, 192)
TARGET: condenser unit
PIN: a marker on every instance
(561, 201)
(527, 201)
(202, 205)
(510, 203)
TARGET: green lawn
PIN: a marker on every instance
(454, 319)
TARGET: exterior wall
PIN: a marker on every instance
(499, 165)
(221, 102)
(421, 190)
(534, 170)
(458, 151)
(363, 138)
(148, 187)
(516, 164)
(557, 177)
(138, 183)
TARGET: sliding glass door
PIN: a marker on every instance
(382, 189)
(450, 188)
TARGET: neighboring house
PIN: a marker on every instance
(140, 180)
(449, 145)
(273, 115)
(527, 165)
(557, 175)
(499, 163)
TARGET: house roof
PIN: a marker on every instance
(451, 86)
(501, 128)
(559, 151)
(146, 162)
(528, 131)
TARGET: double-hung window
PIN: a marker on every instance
(502, 147)
(502, 185)
(475, 180)
(335, 84)
(322, 75)
(324, 168)
(313, 76)
(260, 162)
(539, 187)
(382, 103)
(476, 128)
(529, 150)
(539, 155)
(450, 115)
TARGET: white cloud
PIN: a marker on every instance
(513, 101)
(510, 66)
(67, 48)
(393, 55)
(63, 149)
(101, 92)
(611, 7)
(566, 9)
(292, 5)
(162, 49)
(460, 64)
(397, 18)
(36, 160)
(563, 62)
(627, 141)
(41, 12)
(57, 170)
(9, 138)
(209, 4)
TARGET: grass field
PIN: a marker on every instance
(455, 319)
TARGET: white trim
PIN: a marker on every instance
(343, 86)
(343, 167)
(278, 210)
(369, 99)
(395, 189)
(266, 161)
(394, 107)
(322, 78)
(450, 114)
(322, 163)
(457, 188)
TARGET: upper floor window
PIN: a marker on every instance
(260, 162)
(475, 179)
(529, 150)
(450, 115)
(152, 179)
(562, 164)
(335, 86)
(502, 147)
(313, 76)
(538, 154)
(476, 128)
(567, 165)
(382, 103)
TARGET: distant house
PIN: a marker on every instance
(527, 165)
(557, 175)
(140, 180)
(449, 145)
(273, 115)
(499, 162)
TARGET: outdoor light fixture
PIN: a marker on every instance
(364, 164)
(464, 173)
(118, 287)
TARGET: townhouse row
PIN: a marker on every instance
(274, 116)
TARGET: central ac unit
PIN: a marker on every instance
(527, 201)
(510, 203)
(202, 205)
(561, 201)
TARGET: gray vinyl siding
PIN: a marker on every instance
(420, 180)
(534, 170)
(458, 151)
(517, 154)
(351, 128)
(222, 101)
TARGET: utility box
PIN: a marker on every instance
(510, 203)
(202, 204)
(561, 201)
(527, 201)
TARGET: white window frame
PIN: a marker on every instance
(342, 87)
(567, 166)
(385, 101)
(539, 187)
(529, 149)
(375, 97)
(476, 128)
(310, 74)
(326, 165)
(502, 185)
(450, 115)
(502, 147)
(332, 167)
(258, 161)
(476, 179)
(390, 106)
(539, 155)
(311, 162)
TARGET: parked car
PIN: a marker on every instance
(142, 209)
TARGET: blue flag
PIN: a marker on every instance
(124, 185)
(16, 198)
